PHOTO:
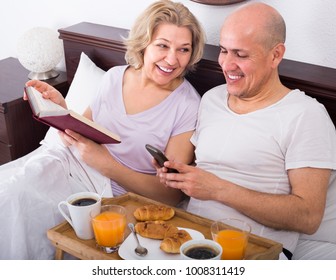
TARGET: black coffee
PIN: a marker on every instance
(201, 253)
(83, 201)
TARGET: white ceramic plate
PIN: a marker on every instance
(126, 250)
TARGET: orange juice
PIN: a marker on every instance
(109, 228)
(233, 243)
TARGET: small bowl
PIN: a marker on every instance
(204, 249)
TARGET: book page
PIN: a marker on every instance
(48, 105)
(42, 106)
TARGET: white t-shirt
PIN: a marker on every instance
(255, 150)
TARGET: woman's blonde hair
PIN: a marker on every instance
(164, 11)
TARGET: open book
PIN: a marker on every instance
(52, 114)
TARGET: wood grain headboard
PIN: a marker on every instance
(103, 44)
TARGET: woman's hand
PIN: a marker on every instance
(64, 138)
(47, 92)
(95, 155)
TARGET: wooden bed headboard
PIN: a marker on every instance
(103, 44)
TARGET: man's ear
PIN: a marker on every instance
(278, 52)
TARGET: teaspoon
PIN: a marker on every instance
(139, 250)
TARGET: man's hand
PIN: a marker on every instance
(191, 180)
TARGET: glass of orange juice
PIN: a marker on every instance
(109, 227)
(232, 235)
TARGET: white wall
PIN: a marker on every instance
(311, 24)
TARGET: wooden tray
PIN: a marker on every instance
(64, 238)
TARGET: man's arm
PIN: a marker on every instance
(301, 210)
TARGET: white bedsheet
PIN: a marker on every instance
(314, 250)
(30, 189)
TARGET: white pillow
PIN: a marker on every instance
(82, 89)
(84, 85)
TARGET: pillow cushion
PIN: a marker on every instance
(82, 89)
(84, 85)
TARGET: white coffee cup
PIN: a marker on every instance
(204, 249)
(80, 207)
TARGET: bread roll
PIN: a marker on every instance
(171, 230)
(154, 212)
(154, 229)
(172, 243)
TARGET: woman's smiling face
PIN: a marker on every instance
(168, 54)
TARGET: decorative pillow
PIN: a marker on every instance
(82, 89)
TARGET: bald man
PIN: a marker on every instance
(265, 153)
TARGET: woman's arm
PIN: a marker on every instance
(179, 148)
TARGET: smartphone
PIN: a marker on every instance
(159, 157)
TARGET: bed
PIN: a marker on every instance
(104, 49)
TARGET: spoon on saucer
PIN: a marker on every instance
(139, 250)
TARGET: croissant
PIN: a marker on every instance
(154, 229)
(171, 230)
(154, 212)
(172, 243)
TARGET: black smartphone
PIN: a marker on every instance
(159, 156)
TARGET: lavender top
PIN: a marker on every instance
(174, 115)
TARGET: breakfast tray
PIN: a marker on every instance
(64, 238)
